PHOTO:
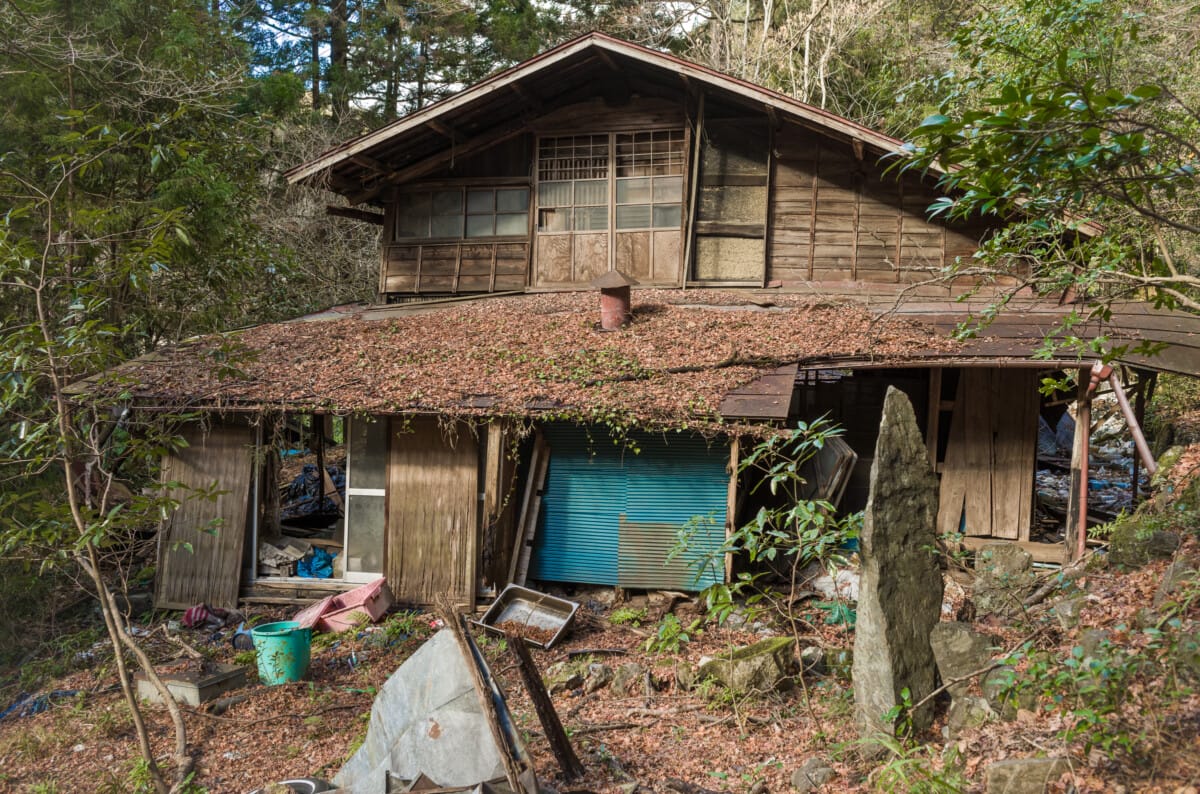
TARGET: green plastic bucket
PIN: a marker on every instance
(282, 650)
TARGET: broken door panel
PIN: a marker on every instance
(432, 512)
(200, 545)
(987, 479)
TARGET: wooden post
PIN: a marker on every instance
(1139, 411)
(731, 502)
(935, 413)
(1077, 497)
(560, 745)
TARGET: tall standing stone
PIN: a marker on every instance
(900, 593)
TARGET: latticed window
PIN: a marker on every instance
(578, 175)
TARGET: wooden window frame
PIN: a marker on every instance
(464, 189)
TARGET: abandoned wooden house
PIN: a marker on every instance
(778, 272)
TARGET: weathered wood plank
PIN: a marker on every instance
(200, 546)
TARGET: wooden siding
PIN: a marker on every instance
(988, 471)
(453, 267)
(432, 512)
(836, 217)
(215, 530)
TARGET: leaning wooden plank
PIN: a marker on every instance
(483, 689)
(978, 399)
(954, 479)
(560, 744)
(535, 506)
(200, 544)
(530, 486)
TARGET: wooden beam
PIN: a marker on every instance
(935, 414)
(444, 130)
(1041, 552)
(355, 214)
(366, 161)
(433, 162)
(1076, 529)
(552, 727)
(731, 502)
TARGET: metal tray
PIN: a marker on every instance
(527, 607)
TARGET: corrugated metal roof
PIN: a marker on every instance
(611, 515)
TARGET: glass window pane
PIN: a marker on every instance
(667, 216)
(368, 454)
(633, 191)
(479, 225)
(414, 204)
(553, 220)
(668, 189)
(554, 194)
(512, 200)
(591, 219)
(364, 534)
(591, 191)
(479, 201)
(446, 226)
(633, 216)
(412, 226)
(514, 223)
(447, 202)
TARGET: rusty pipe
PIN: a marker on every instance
(1135, 429)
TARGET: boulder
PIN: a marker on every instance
(1178, 574)
(1068, 609)
(1134, 543)
(960, 650)
(1003, 578)
(630, 679)
(900, 586)
(813, 774)
(1024, 775)
(598, 676)
(562, 677)
(764, 666)
(968, 712)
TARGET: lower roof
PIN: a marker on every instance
(682, 356)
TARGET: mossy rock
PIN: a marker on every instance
(761, 667)
(1135, 541)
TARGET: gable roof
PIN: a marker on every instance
(485, 111)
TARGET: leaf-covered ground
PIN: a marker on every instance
(1150, 741)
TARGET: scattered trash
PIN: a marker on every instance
(202, 616)
(242, 639)
(541, 619)
(366, 604)
(317, 564)
(26, 705)
(303, 495)
(205, 682)
(429, 720)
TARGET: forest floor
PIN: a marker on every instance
(1148, 741)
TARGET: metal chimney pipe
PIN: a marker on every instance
(615, 301)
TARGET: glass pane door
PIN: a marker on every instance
(366, 481)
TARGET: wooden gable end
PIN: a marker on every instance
(836, 217)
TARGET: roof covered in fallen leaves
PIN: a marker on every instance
(520, 355)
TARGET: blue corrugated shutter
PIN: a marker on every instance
(611, 516)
